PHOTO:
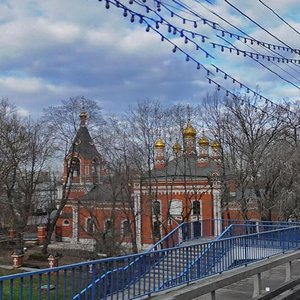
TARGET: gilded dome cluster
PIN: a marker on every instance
(189, 132)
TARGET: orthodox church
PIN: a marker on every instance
(185, 188)
(91, 205)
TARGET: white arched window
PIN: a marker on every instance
(96, 170)
(176, 208)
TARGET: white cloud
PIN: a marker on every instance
(23, 112)
(24, 85)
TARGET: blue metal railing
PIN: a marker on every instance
(226, 253)
(102, 279)
(185, 231)
(181, 233)
(175, 237)
(172, 239)
(234, 230)
(214, 252)
(225, 234)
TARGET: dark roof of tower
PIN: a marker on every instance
(105, 193)
(83, 144)
(186, 166)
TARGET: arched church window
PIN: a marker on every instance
(156, 229)
(108, 227)
(75, 167)
(66, 223)
(95, 170)
(252, 226)
(90, 228)
(196, 208)
(125, 228)
(87, 170)
(176, 207)
(156, 208)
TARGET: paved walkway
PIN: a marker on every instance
(243, 290)
(7, 267)
(201, 240)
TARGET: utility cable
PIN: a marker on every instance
(257, 24)
(276, 14)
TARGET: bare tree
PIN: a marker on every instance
(255, 139)
(25, 148)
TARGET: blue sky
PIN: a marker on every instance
(53, 50)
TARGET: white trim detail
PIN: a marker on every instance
(75, 224)
(137, 210)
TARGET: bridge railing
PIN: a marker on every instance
(227, 233)
(65, 282)
(214, 227)
(188, 231)
(227, 253)
(215, 252)
(172, 239)
(181, 233)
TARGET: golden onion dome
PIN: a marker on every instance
(203, 141)
(189, 131)
(159, 144)
(216, 144)
(176, 147)
(83, 114)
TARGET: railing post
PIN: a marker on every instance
(187, 265)
(256, 285)
(93, 280)
(180, 235)
(288, 271)
(246, 246)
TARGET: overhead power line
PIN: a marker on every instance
(246, 38)
(276, 14)
(154, 19)
(214, 26)
(266, 67)
(257, 24)
(250, 41)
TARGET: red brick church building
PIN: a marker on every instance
(185, 188)
(90, 198)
